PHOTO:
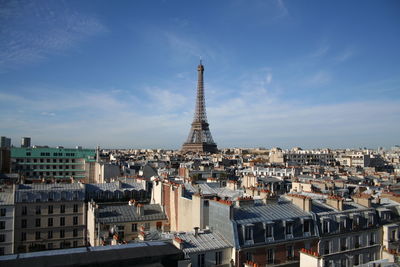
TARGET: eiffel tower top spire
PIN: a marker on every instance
(200, 139)
(200, 110)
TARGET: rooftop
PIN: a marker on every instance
(280, 210)
(204, 241)
(117, 213)
(6, 198)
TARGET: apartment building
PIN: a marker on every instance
(204, 248)
(116, 223)
(349, 231)
(6, 223)
(53, 163)
(49, 216)
(264, 233)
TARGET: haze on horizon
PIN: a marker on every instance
(277, 73)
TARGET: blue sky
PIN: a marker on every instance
(122, 74)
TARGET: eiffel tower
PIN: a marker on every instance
(200, 139)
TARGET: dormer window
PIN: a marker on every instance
(248, 232)
(306, 226)
(325, 226)
(289, 228)
(371, 220)
(269, 230)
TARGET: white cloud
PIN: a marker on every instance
(345, 55)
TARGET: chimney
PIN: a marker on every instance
(301, 201)
(245, 202)
(363, 200)
(335, 202)
(196, 232)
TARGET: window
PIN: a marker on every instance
(23, 223)
(2, 212)
(62, 209)
(248, 235)
(147, 226)
(37, 235)
(392, 235)
(268, 231)
(356, 259)
(1, 251)
(372, 238)
(357, 241)
(23, 236)
(24, 210)
(2, 238)
(342, 225)
(159, 226)
(62, 233)
(38, 210)
(50, 222)
(289, 228)
(75, 207)
(289, 252)
(327, 247)
(134, 227)
(306, 226)
(75, 232)
(270, 256)
(218, 257)
(50, 246)
(200, 260)
(75, 244)
(2, 225)
(50, 209)
(371, 220)
(62, 221)
(343, 243)
(325, 226)
(50, 234)
(75, 220)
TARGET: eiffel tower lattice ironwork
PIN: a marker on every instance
(200, 139)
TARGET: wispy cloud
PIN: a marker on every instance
(256, 117)
(345, 55)
(318, 79)
(31, 31)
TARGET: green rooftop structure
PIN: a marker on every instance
(55, 163)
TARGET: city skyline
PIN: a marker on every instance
(277, 73)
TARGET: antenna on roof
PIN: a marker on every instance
(200, 60)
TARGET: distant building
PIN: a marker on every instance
(6, 223)
(54, 163)
(5, 142)
(25, 142)
(49, 216)
(5, 160)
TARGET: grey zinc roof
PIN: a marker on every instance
(125, 213)
(114, 186)
(206, 189)
(272, 211)
(49, 192)
(205, 241)
(6, 198)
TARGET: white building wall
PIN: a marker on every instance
(8, 232)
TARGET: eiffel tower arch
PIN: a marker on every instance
(200, 138)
